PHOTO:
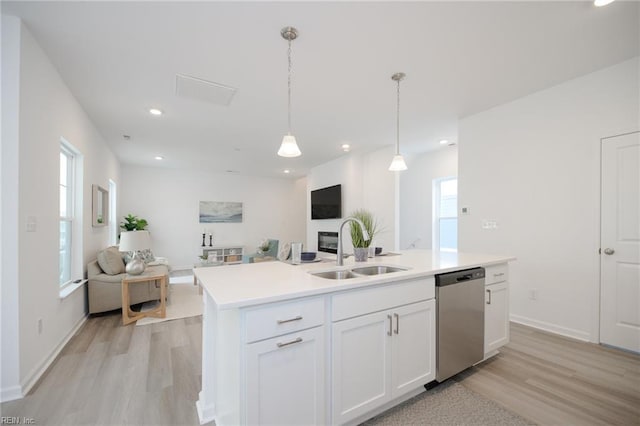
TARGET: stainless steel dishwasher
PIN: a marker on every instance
(460, 321)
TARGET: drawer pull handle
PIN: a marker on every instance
(298, 318)
(390, 325)
(397, 330)
(293, 342)
(499, 275)
(489, 301)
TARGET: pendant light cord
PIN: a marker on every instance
(289, 89)
(398, 122)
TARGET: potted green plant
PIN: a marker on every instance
(360, 245)
(263, 247)
(133, 223)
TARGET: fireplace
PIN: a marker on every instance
(328, 242)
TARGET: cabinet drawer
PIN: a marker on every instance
(496, 273)
(277, 319)
(365, 301)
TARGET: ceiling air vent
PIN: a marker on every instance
(203, 90)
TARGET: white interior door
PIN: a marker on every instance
(620, 242)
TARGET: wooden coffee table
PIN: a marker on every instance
(129, 316)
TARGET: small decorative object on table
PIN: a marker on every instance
(263, 247)
(308, 256)
(210, 239)
(135, 241)
(203, 235)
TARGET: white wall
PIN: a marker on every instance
(169, 200)
(533, 165)
(47, 112)
(9, 334)
(416, 194)
(366, 183)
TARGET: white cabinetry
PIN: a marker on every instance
(380, 356)
(285, 379)
(496, 309)
(226, 253)
(285, 374)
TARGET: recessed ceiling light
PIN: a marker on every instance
(444, 142)
(155, 111)
(346, 147)
(286, 171)
(158, 157)
(600, 3)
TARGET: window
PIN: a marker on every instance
(445, 218)
(113, 222)
(70, 221)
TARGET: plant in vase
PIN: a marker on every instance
(263, 247)
(360, 245)
(133, 223)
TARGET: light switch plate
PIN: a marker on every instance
(32, 224)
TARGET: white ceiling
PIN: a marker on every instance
(121, 58)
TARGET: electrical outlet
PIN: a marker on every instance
(465, 210)
(39, 325)
(533, 294)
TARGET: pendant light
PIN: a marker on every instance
(289, 146)
(398, 164)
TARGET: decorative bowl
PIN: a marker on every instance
(308, 256)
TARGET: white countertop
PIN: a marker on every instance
(236, 286)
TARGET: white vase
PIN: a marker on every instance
(361, 253)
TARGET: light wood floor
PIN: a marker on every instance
(552, 380)
(150, 375)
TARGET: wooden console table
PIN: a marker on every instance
(129, 316)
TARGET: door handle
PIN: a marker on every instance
(390, 325)
(397, 330)
(609, 251)
(489, 301)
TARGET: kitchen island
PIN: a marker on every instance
(284, 346)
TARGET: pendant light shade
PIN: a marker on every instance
(398, 164)
(289, 146)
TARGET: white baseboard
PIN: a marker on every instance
(552, 328)
(10, 394)
(205, 414)
(35, 374)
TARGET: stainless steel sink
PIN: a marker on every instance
(335, 275)
(376, 270)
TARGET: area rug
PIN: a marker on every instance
(184, 301)
(448, 404)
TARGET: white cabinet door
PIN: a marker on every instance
(381, 356)
(285, 379)
(413, 347)
(361, 352)
(496, 317)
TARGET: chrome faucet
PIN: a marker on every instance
(365, 235)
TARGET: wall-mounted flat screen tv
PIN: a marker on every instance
(326, 203)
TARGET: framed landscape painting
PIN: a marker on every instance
(220, 212)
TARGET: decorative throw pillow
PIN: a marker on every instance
(146, 255)
(285, 252)
(110, 261)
